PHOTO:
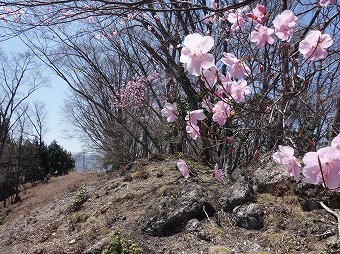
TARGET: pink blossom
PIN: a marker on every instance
(213, 4)
(236, 19)
(223, 90)
(194, 116)
(239, 90)
(326, 2)
(221, 112)
(209, 77)
(170, 112)
(99, 36)
(259, 14)
(336, 142)
(238, 67)
(218, 173)
(133, 94)
(195, 53)
(285, 156)
(314, 45)
(90, 19)
(207, 105)
(262, 36)
(66, 14)
(284, 24)
(193, 130)
(182, 166)
(330, 164)
(256, 155)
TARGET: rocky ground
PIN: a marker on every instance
(257, 210)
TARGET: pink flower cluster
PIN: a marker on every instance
(198, 62)
(322, 166)
(312, 47)
(133, 94)
(7, 13)
(225, 90)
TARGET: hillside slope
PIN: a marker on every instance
(75, 213)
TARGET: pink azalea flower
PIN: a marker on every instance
(195, 115)
(223, 90)
(182, 166)
(238, 67)
(236, 19)
(330, 163)
(285, 156)
(195, 53)
(207, 105)
(314, 45)
(170, 112)
(239, 90)
(193, 131)
(221, 112)
(209, 77)
(284, 24)
(259, 14)
(326, 2)
(262, 36)
(336, 142)
(218, 173)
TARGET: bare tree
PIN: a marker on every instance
(18, 80)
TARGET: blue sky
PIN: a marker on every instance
(53, 96)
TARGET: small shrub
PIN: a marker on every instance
(80, 217)
(120, 245)
(80, 198)
(2, 218)
(105, 231)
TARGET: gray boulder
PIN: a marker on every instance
(268, 177)
(196, 228)
(235, 195)
(170, 214)
(248, 216)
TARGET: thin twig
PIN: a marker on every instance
(321, 170)
(337, 215)
(206, 214)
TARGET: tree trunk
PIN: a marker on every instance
(335, 127)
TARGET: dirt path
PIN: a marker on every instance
(43, 194)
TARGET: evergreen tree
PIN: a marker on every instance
(61, 161)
